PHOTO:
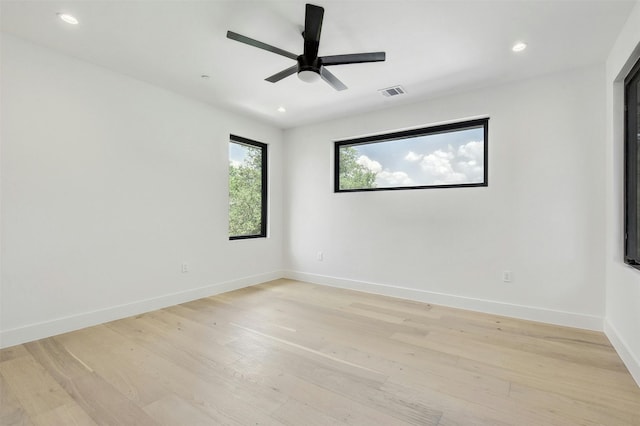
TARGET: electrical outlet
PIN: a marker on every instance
(507, 276)
(319, 256)
(185, 267)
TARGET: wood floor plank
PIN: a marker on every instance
(356, 384)
(515, 359)
(455, 410)
(11, 411)
(32, 386)
(189, 338)
(208, 389)
(68, 415)
(628, 402)
(172, 410)
(101, 401)
(293, 409)
(575, 350)
(581, 412)
(336, 406)
(121, 366)
(202, 361)
(290, 353)
(13, 352)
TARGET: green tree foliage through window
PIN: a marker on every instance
(247, 194)
(354, 175)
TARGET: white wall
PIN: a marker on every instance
(622, 282)
(541, 216)
(108, 184)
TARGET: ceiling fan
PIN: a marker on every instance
(311, 67)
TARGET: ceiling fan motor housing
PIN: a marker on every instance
(304, 64)
(308, 71)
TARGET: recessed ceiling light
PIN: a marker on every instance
(519, 46)
(69, 19)
(282, 109)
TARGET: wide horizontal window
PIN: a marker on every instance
(247, 188)
(444, 156)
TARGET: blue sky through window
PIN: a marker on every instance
(439, 159)
(238, 152)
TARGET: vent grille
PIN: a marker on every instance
(392, 91)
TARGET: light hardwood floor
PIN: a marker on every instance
(287, 352)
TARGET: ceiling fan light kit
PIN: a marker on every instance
(308, 76)
(309, 66)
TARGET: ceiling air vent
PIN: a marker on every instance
(392, 91)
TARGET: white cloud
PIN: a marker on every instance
(384, 178)
(472, 150)
(413, 157)
(448, 166)
(370, 164)
(439, 169)
(387, 178)
(471, 163)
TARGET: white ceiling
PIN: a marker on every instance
(433, 47)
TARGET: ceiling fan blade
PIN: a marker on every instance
(260, 45)
(282, 74)
(331, 79)
(312, 29)
(355, 58)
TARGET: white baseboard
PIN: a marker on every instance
(631, 361)
(532, 313)
(56, 326)
(41, 330)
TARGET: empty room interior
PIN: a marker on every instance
(344, 212)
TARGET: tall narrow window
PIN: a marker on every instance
(632, 167)
(247, 188)
(445, 156)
